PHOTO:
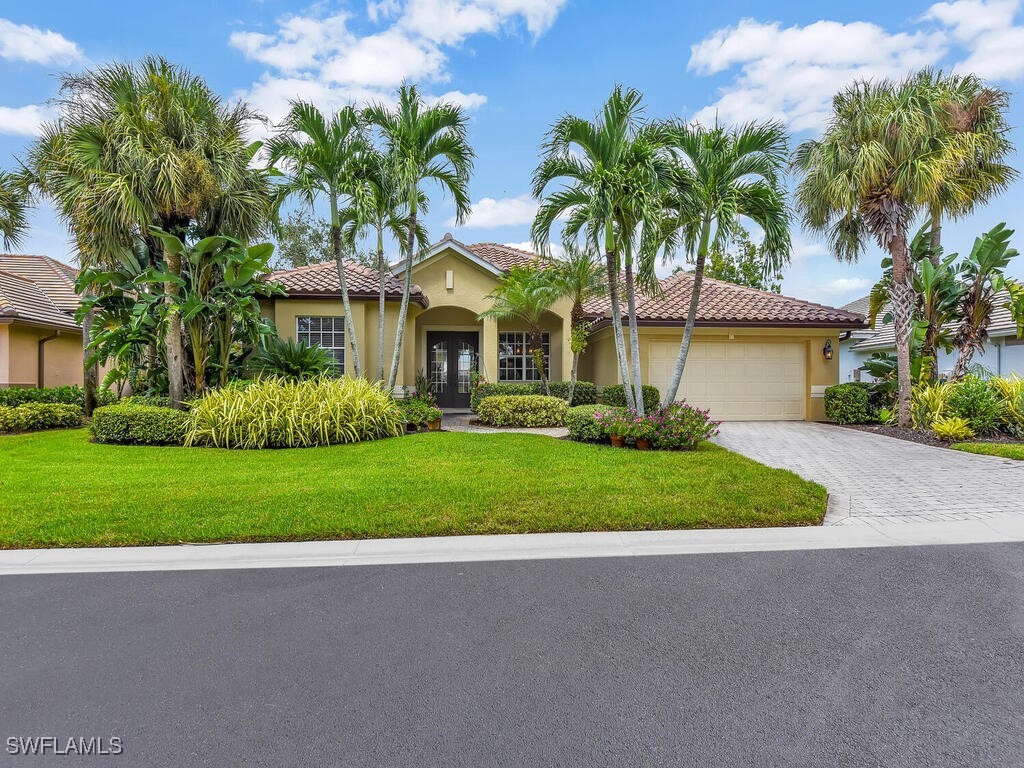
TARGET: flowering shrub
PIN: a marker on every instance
(671, 427)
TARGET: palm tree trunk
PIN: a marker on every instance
(929, 350)
(382, 276)
(572, 378)
(90, 373)
(350, 330)
(174, 351)
(634, 338)
(620, 342)
(403, 308)
(936, 234)
(691, 315)
(903, 300)
(537, 350)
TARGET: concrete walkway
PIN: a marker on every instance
(881, 480)
(460, 422)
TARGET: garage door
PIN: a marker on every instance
(736, 380)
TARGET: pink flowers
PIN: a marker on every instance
(672, 426)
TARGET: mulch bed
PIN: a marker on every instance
(925, 438)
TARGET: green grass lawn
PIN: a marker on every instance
(1006, 450)
(59, 489)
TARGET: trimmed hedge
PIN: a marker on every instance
(615, 394)
(848, 403)
(68, 395)
(522, 411)
(583, 426)
(585, 392)
(36, 415)
(133, 424)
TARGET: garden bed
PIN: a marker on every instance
(928, 438)
(61, 490)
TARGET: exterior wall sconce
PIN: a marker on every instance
(449, 279)
(826, 351)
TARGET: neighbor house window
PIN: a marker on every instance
(326, 332)
(515, 363)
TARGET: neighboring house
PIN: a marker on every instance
(755, 355)
(1002, 354)
(40, 342)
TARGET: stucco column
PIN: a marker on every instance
(566, 347)
(489, 350)
(5, 354)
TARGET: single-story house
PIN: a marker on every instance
(40, 342)
(755, 355)
(1002, 354)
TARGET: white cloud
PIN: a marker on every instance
(20, 42)
(506, 212)
(844, 286)
(557, 251)
(791, 73)
(384, 60)
(24, 121)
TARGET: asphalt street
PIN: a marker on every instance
(870, 657)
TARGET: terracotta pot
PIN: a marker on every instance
(411, 428)
(643, 444)
(434, 426)
(618, 441)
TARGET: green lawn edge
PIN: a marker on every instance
(61, 490)
(1005, 450)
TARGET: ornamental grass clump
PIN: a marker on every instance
(275, 413)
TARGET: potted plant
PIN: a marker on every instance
(616, 425)
(642, 431)
(433, 417)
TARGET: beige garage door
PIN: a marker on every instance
(736, 380)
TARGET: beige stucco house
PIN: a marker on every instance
(756, 355)
(40, 342)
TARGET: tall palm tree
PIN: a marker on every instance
(423, 143)
(525, 294)
(14, 201)
(612, 173)
(384, 212)
(321, 156)
(870, 173)
(580, 278)
(724, 174)
(149, 144)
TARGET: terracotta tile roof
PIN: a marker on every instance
(504, 257)
(54, 278)
(322, 280)
(22, 299)
(723, 303)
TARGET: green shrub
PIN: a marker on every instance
(582, 424)
(160, 401)
(292, 360)
(1011, 393)
(39, 415)
(522, 411)
(615, 395)
(848, 403)
(274, 413)
(928, 402)
(952, 428)
(134, 424)
(585, 392)
(973, 400)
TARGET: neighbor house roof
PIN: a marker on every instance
(723, 303)
(321, 280)
(1001, 324)
(22, 299)
(861, 306)
(54, 278)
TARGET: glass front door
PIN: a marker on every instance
(452, 357)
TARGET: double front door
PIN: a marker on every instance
(451, 359)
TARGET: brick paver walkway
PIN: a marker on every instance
(871, 478)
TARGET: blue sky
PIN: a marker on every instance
(517, 65)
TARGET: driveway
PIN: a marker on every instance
(871, 478)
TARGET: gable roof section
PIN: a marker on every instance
(723, 303)
(55, 279)
(321, 281)
(504, 257)
(22, 299)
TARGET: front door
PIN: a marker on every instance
(451, 360)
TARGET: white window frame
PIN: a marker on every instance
(524, 358)
(316, 338)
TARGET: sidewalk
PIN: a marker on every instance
(536, 546)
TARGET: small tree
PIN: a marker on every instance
(742, 262)
(302, 239)
(579, 278)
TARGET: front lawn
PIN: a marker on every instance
(59, 489)
(1006, 450)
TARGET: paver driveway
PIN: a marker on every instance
(875, 478)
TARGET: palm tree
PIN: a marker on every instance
(614, 174)
(723, 174)
(423, 143)
(14, 203)
(149, 144)
(525, 294)
(322, 157)
(579, 278)
(866, 178)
